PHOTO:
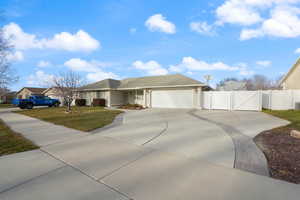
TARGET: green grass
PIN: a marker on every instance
(6, 105)
(291, 115)
(81, 118)
(11, 142)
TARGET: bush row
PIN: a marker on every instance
(96, 102)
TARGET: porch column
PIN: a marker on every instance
(199, 97)
(108, 98)
(145, 98)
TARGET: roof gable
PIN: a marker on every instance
(297, 64)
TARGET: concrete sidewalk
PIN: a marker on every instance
(40, 132)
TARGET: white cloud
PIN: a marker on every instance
(93, 68)
(243, 69)
(100, 75)
(264, 63)
(159, 23)
(190, 65)
(43, 63)
(284, 22)
(80, 41)
(202, 28)
(237, 12)
(245, 72)
(193, 64)
(40, 78)
(151, 67)
(297, 51)
(275, 18)
(176, 69)
(15, 56)
(247, 34)
(78, 64)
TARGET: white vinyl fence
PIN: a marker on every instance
(232, 100)
(281, 99)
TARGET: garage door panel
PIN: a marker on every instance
(172, 98)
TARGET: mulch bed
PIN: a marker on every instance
(132, 107)
(282, 152)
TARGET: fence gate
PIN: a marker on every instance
(232, 100)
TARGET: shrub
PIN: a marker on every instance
(132, 107)
(80, 102)
(99, 102)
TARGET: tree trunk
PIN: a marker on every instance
(69, 105)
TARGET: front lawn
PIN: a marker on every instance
(2, 105)
(281, 149)
(291, 115)
(11, 142)
(80, 118)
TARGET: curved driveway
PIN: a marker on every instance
(109, 165)
(220, 137)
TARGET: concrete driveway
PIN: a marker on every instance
(220, 137)
(155, 154)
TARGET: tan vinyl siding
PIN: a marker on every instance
(293, 80)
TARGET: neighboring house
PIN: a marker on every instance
(25, 92)
(232, 86)
(7, 97)
(292, 79)
(54, 93)
(167, 91)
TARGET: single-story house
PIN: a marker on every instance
(7, 97)
(25, 92)
(292, 79)
(232, 86)
(54, 93)
(167, 91)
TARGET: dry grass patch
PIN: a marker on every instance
(80, 118)
(12, 142)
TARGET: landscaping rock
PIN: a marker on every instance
(295, 134)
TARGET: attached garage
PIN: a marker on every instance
(166, 91)
(176, 98)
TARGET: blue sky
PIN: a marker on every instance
(127, 38)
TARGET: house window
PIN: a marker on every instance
(83, 95)
(99, 95)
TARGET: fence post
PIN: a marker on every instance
(293, 100)
(231, 100)
(270, 100)
(210, 100)
(260, 100)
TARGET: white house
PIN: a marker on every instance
(167, 91)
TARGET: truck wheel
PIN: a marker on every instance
(56, 104)
(29, 106)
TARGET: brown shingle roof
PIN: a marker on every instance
(143, 82)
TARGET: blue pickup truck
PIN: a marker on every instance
(36, 100)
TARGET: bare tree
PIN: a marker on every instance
(261, 82)
(66, 83)
(7, 76)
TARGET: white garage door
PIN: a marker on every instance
(172, 99)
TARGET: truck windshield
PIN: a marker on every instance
(40, 97)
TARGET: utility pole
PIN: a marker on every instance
(208, 78)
